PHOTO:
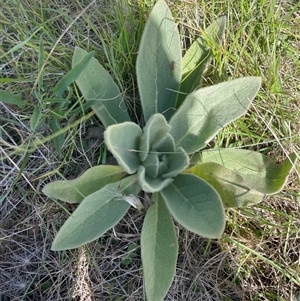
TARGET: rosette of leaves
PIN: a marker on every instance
(165, 157)
(150, 153)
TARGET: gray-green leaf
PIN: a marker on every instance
(123, 140)
(96, 85)
(93, 179)
(259, 171)
(154, 131)
(207, 110)
(196, 205)
(232, 188)
(159, 250)
(159, 63)
(96, 214)
(152, 185)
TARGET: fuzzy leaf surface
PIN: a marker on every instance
(195, 205)
(177, 163)
(232, 188)
(206, 111)
(123, 141)
(198, 55)
(165, 145)
(96, 214)
(159, 63)
(154, 131)
(96, 85)
(93, 179)
(152, 185)
(159, 250)
(260, 172)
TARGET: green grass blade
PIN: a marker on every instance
(57, 139)
(20, 45)
(197, 56)
(35, 118)
(40, 65)
(10, 98)
(72, 75)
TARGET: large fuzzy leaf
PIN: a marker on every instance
(149, 184)
(259, 171)
(96, 214)
(159, 63)
(177, 162)
(232, 188)
(96, 85)
(159, 250)
(207, 110)
(197, 56)
(93, 179)
(196, 205)
(123, 140)
(154, 131)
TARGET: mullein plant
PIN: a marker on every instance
(166, 159)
